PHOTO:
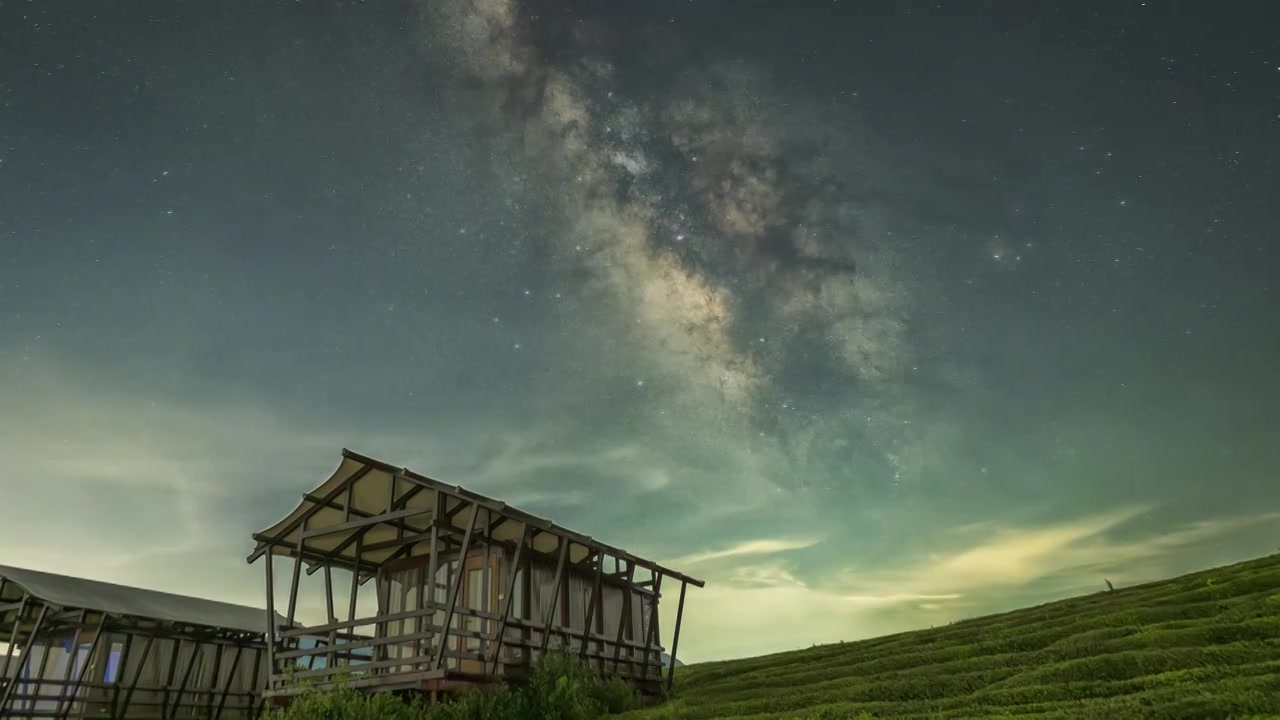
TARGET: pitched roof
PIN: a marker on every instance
(81, 593)
(370, 482)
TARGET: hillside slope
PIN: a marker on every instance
(1205, 645)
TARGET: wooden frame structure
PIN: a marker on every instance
(466, 590)
(78, 648)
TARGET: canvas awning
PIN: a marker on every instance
(338, 511)
(104, 597)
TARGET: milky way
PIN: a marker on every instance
(705, 217)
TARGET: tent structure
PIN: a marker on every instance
(465, 590)
(79, 648)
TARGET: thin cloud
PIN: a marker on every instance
(782, 612)
(1074, 552)
(749, 547)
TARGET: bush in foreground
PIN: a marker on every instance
(559, 687)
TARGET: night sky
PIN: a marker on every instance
(874, 315)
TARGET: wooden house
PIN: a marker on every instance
(77, 648)
(430, 587)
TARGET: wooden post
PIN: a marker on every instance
(271, 622)
(485, 585)
(675, 639)
(44, 663)
(355, 584)
(433, 566)
(624, 622)
(71, 661)
(257, 674)
(13, 634)
(601, 644)
(186, 677)
(137, 675)
(555, 593)
(331, 614)
(297, 576)
(509, 598)
(213, 680)
(456, 588)
(231, 678)
(88, 660)
(173, 670)
(652, 629)
(587, 627)
(121, 666)
(22, 661)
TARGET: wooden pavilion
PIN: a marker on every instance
(466, 590)
(77, 648)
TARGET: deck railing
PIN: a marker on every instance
(50, 698)
(366, 653)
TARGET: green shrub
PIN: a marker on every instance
(343, 703)
(498, 704)
(559, 687)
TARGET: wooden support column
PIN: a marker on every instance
(88, 661)
(271, 622)
(330, 614)
(602, 644)
(44, 664)
(555, 593)
(433, 566)
(213, 680)
(355, 583)
(13, 634)
(71, 661)
(173, 670)
(675, 639)
(137, 675)
(509, 597)
(596, 587)
(455, 589)
(624, 622)
(382, 585)
(172, 711)
(231, 679)
(297, 577)
(5, 607)
(257, 673)
(22, 661)
(651, 630)
(485, 585)
(121, 666)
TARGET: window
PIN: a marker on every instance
(475, 601)
(112, 672)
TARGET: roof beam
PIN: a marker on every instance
(396, 504)
(265, 545)
(335, 505)
(366, 522)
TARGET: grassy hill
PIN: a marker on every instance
(1205, 645)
